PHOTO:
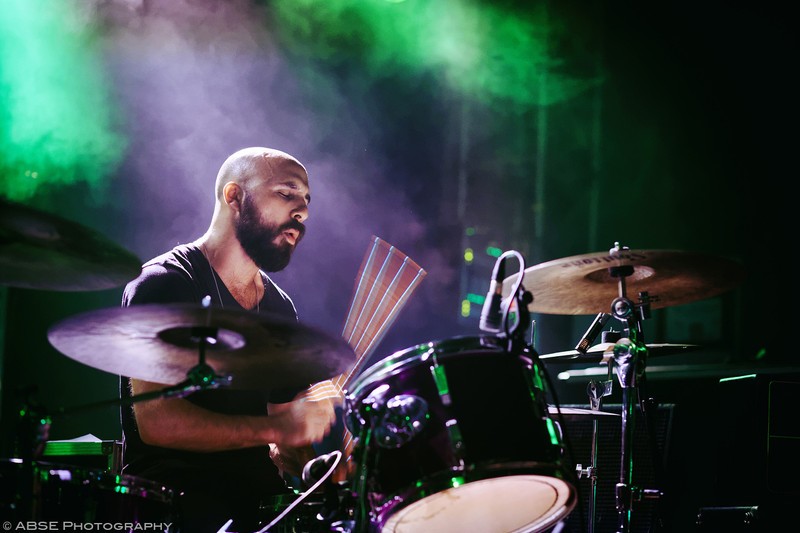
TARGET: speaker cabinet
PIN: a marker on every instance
(757, 441)
(649, 455)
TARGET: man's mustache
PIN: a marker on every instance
(295, 225)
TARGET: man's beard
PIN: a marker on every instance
(257, 239)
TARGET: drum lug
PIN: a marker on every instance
(589, 472)
(456, 440)
(453, 431)
(402, 418)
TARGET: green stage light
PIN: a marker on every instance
(489, 52)
(469, 255)
(57, 119)
(493, 251)
(477, 299)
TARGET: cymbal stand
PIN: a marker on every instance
(200, 377)
(34, 420)
(33, 431)
(597, 390)
(630, 359)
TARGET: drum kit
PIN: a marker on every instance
(453, 435)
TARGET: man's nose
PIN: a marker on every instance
(300, 213)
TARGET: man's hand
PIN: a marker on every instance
(291, 460)
(302, 421)
(298, 424)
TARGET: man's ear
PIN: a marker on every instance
(233, 195)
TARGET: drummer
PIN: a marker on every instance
(228, 450)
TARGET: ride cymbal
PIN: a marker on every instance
(42, 251)
(161, 344)
(584, 285)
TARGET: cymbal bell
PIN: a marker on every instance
(596, 353)
(584, 285)
(39, 250)
(161, 344)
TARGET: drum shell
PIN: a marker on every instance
(45, 491)
(503, 427)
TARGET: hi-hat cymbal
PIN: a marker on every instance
(595, 353)
(583, 284)
(161, 343)
(42, 251)
(578, 413)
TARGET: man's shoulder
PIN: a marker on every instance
(164, 278)
(274, 287)
(178, 259)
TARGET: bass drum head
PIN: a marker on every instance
(519, 503)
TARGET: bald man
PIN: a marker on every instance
(215, 445)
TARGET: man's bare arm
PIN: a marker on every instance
(179, 424)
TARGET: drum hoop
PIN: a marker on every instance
(542, 523)
(414, 355)
(108, 481)
(442, 480)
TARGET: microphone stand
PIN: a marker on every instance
(360, 422)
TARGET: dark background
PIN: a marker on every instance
(683, 139)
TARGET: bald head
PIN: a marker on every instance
(250, 166)
(262, 198)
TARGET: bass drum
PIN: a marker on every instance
(45, 491)
(456, 436)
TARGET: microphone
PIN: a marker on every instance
(316, 468)
(591, 334)
(491, 314)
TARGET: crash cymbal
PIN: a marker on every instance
(583, 284)
(595, 353)
(42, 251)
(161, 343)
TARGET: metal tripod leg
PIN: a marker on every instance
(596, 390)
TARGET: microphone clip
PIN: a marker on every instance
(492, 312)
